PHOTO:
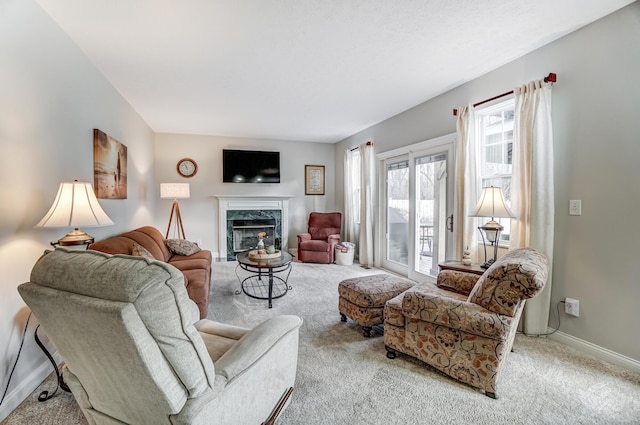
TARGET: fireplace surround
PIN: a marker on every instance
(244, 217)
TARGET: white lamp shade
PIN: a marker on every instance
(75, 206)
(492, 204)
(174, 190)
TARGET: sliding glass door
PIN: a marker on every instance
(417, 203)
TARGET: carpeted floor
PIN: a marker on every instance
(344, 378)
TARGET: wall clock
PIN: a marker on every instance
(187, 167)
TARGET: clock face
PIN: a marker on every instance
(187, 167)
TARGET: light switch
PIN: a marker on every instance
(575, 207)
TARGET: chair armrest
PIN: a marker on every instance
(253, 345)
(304, 237)
(429, 303)
(457, 281)
(333, 240)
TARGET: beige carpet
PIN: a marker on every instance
(344, 378)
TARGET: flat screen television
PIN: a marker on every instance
(239, 166)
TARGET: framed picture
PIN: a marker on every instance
(314, 179)
(109, 167)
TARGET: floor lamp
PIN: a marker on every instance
(491, 204)
(175, 191)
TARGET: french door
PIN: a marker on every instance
(418, 200)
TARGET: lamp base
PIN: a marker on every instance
(74, 237)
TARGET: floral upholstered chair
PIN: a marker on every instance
(465, 324)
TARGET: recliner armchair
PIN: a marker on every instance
(318, 244)
(465, 324)
(135, 351)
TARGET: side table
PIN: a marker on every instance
(457, 265)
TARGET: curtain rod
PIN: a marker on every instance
(549, 78)
(358, 147)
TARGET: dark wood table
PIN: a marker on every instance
(263, 283)
(457, 265)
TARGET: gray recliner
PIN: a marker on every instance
(135, 351)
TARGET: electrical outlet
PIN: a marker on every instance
(575, 207)
(572, 306)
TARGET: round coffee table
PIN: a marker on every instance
(263, 283)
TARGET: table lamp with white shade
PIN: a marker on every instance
(175, 191)
(491, 204)
(75, 206)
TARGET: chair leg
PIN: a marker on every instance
(366, 331)
(490, 394)
(343, 318)
(391, 353)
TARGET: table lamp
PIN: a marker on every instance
(175, 191)
(491, 204)
(75, 206)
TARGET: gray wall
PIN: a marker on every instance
(51, 99)
(597, 154)
(200, 212)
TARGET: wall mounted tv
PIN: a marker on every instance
(240, 166)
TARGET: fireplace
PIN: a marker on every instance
(244, 234)
(242, 218)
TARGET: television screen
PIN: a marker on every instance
(240, 166)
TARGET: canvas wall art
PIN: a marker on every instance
(109, 167)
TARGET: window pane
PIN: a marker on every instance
(398, 212)
(496, 143)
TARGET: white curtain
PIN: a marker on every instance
(466, 192)
(532, 189)
(350, 207)
(367, 204)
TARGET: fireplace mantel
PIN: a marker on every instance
(258, 203)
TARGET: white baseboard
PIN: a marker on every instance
(596, 351)
(27, 386)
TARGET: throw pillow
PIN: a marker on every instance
(140, 251)
(182, 246)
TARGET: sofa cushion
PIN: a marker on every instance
(518, 275)
(140, 251)
(147, 236)
(182, 246)
(457, 281)
(314, 245)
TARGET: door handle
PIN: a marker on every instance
(450, 223)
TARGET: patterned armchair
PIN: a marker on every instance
(318, 244)
(465, 324)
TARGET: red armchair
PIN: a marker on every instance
(318, 244)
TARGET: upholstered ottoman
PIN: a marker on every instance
(362, 299)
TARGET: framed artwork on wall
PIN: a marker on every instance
(109, 167)
(314, 179)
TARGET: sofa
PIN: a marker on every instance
(196, 267)
(464, 325)
(136, 353)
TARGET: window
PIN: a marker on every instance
(495, 126)
(354, 167)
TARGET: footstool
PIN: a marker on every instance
(362, 299)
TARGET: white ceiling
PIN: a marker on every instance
(309, 70)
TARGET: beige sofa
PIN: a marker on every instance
(465, 324)
(135, 352)
(196, 267)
